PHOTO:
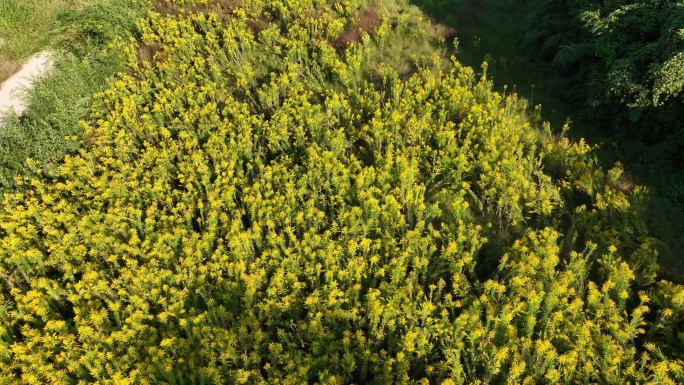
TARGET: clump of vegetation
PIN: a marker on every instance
(26, 27)
(253, 204)
(83, 62)
(621, 65)
(613, 68)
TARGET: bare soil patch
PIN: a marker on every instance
(368, 21)
(149, 53)
(448, 33)
(8, 68)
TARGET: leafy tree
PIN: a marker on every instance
(621, 61)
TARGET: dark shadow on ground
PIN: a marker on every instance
(492, 31)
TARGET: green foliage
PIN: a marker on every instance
(639, 46)
(620, 57)
(618, 64)
(99, 22)
(49, 128)
(255, 205)
(26, 27)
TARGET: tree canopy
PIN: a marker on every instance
(623, 61)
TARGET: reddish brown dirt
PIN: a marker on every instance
(448, 33)
(259, 24)
(368, 21)
(149, 52)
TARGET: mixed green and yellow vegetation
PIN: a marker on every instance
(310, 191)
(619, 65)
(78, 39)
(613, 68)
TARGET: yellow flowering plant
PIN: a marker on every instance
(255, 206)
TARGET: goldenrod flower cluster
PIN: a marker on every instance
(255, 206)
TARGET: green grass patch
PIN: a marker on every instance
(27, 27)
(79, 34)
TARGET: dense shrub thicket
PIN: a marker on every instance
(625, 51)
(255, 202)
(622, 62)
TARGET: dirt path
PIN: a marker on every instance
(13, 90)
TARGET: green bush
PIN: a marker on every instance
(622, 64)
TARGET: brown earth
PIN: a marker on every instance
(368, 21)
(7, 69)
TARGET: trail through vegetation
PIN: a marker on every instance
(13, 90)
(78, 33)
